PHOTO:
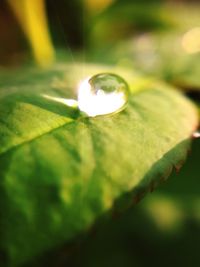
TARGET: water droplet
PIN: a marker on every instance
(103, 94)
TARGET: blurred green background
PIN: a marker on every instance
(159, 38)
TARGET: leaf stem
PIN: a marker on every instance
(32, 18)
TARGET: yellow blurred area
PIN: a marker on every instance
(97, 5)
(166, 213)
(31, 15)
(191, 41)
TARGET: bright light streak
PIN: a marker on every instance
(68, 102)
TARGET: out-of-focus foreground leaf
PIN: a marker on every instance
(59, 172)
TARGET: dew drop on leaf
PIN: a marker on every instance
(102, 94)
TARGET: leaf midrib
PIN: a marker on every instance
(36, 137)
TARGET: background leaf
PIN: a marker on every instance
(161, 48)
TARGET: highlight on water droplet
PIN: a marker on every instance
(102, 94)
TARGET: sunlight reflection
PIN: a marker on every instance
(196, 135)
(191, 41)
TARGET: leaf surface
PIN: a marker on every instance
(59, 172)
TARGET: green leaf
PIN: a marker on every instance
(60, 172)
